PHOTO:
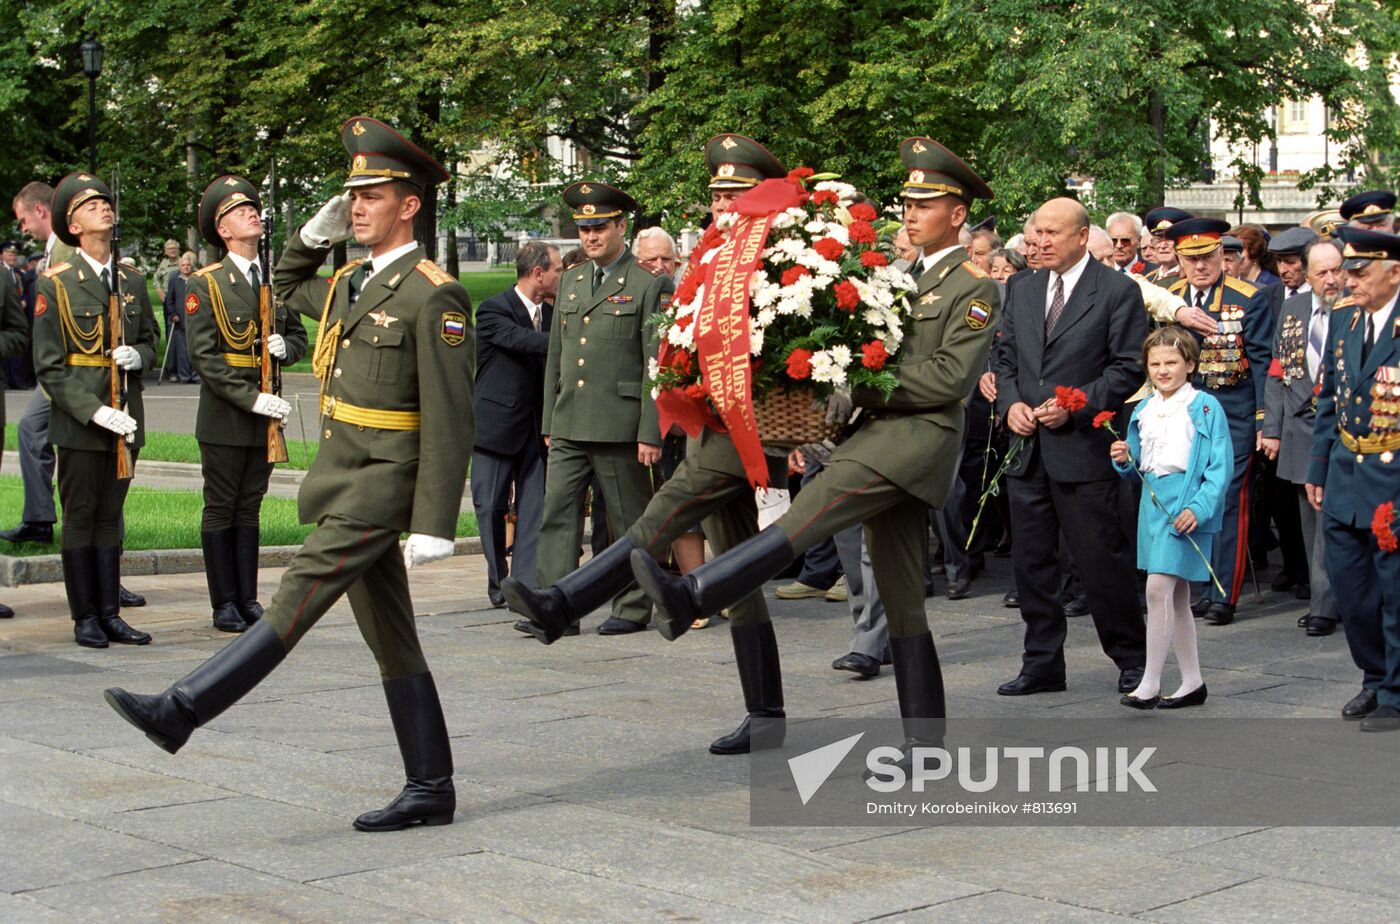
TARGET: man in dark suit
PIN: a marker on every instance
(1077, 324)
(513, 332)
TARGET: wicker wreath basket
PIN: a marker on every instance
(788, 419)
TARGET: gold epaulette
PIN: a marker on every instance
(1177, 287)
(135, 272)
(53, 271)
(974, 269)
(206, 270)
(1247, 289)
(435, 274)
(1346, 301)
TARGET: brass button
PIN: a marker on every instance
(580, 383)
(345, 344)
(617, 311)
(582, 341)
(374, 339)
(587, 319)
(361, 429)
(580, 360)
(326, 433)
(1358, 399)
(337, 373)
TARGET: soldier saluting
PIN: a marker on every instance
(74, 355)
(394, 355)
(221, 309)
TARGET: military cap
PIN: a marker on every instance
(8, 245)
(74, 190)
(1368, 207)
(737, 162)
(1291, 242)
(1159, 220)
(1232, 244)
(1362, 245)
(987, 224)
(1323, 222)
(221, 197)
(378, 154)
(936, 171)
(595, 203)
(1196, 236)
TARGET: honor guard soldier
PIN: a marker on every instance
(599, 418)
(75, 357)
(1355, 472)
(901, 460)
(14, 341)
(1233, 366)
(225, 340)
(710, 486)
(1374, 210)
(394, 355)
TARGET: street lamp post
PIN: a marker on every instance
(92, 68)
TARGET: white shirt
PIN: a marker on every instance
(97, 268)
(1379, 319)
(928, 262)
(530, 307)
(1193, 292)
(48, 248)
(1165, 427)
(1070, 276)
(244, 265)
(1301, 290)
(384, 260)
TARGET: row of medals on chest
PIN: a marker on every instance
(1222, 354)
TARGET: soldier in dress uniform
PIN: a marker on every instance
(1373, 210)
(599, 418)
(1157, 222)
(901, 460)
(1355, 470)
(710, 486)
(225, 340)
(1234, 364)
(14, 341)
(73, 357)
(394, 355)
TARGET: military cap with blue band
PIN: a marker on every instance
(73, 191)
(595, 203)
(936, 171)
(1371, 206)
(1197, 236)
(1361, 245)
(1159, 220)
(737, 162)
(378, 154)
(221, 197)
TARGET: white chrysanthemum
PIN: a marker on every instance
(826, 368)
(766, 293)
(653, 368)
(725, 221)
(815, 227)
(756, 342)
(873, 317)
(844, 191)
(786, 219)
(766, 316)
(840, 354)
(837, 231)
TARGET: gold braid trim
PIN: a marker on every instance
(86, 342)
(328, 338)
(239, 341)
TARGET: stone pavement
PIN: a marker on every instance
(584, 788)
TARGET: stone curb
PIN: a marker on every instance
(47, 569)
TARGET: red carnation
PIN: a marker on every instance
(847, 296)
(695, 391)
(863, 211)
(873, 258)
(1071, 399)
(684, 321)
(1103, 419)
(794, 273)
(800, 174)
(873, 355)
(823, 196)
(799, 364)
(862, 232)
(1380, 525)
(680, 362)
(829, 248)
(690, 285)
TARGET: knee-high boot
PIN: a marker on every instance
(554, 609)
(245, 573)
(428, 796)
(80, 585)
(918, 681)
(219, 575)
(108, 596)
(761, 677)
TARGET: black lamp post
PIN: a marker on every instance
(92, 68)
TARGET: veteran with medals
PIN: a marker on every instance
(394, 355)
(75, 357)
(224, 337)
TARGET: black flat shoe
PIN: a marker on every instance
(6, 612)
(1317, 626)
(116, 630)
(1012, 600)
(960, 589)
(88, 633)
(1077, 606)
(614, 625)
(1303, 620)
(1025, 685)
(1135, 703)
(525, 627)
(1195, 698)
(1200, 607)
(496, 598)
(41, 533)
(857, 663)
(1220, 614)
(1359, 706)
(227, 619)
(1384, 719)
(128, 600)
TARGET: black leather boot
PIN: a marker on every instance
(918, 681)
(245, 570)
(428, 797)
(218, 574)
(761, 677)
(168, 718)
(553, 610)
(719, 583)
(109, 576)
(79, 583)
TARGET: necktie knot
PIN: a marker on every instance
(107, 278)
(1200, 298)
(254, 278)
(598, 276)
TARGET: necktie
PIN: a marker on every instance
(535, 311)
(253, 277)
(1200, 299)
(358, 279)
(1370, 340)
(1317, 340)
(1057, 307)
(598, 279)
(107, 279)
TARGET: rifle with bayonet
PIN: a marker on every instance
(271, 381)
(116, 328)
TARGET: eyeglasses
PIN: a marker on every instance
(1122, 240)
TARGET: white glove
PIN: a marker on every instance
(271, 406)
(419, 549)
(119, 422)
(839, 407)
(127, 357)
(329, 226)
(277, 346)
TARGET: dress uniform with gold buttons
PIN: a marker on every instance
(225, 342)
(74, 353)
(1356, 463)
(597, 410)
(394, 354)
(709, 486)
(1233, 367)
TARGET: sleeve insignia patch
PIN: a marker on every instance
(454, 328)
(664, 302)
(978, 314)
(41, 304)
(191, 303)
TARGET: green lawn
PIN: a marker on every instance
(182, 447)
(164, 519)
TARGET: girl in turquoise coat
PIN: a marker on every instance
(1179, 446)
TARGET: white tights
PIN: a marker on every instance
(1169, 619)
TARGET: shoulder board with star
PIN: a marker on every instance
(977, 271)
(1177, 287)
(53, 271)
(434, 273)
(1247, 289)
(128, 271)
(206, 270)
